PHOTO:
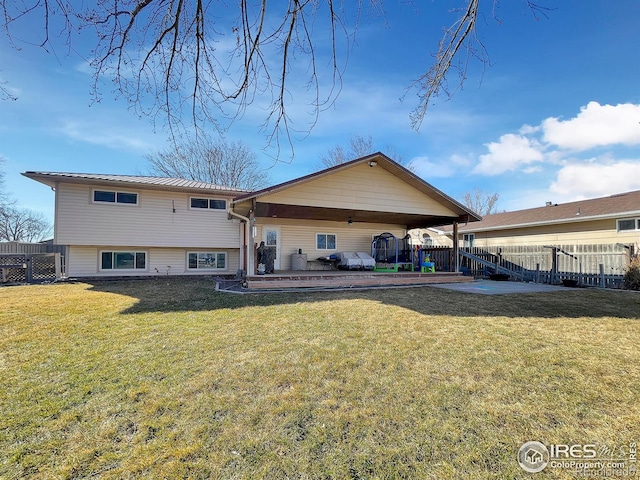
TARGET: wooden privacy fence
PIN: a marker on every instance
(600, 265)
(441, 256)
(20, 247)
(30, 267)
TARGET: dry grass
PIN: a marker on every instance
(169, 379)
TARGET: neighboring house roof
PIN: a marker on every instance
(463, 212)
(132, 181)
(615, 206)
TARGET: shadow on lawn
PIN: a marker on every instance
(189, 294)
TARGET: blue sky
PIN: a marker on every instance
(554, 117)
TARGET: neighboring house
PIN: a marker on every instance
(607, 220)
(117, 225)
(430, 237)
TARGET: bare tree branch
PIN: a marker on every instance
(198, 65)
(481, 202)
(5, 199)
(433, 82)
(217, 162)
(23, 225)
(6, 93)
(358, 147)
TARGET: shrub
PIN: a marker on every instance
(632, 275)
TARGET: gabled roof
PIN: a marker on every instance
(384, 162)
(615, 206)
(132, 181)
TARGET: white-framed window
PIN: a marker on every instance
(115, 197)
(203, 203)
(207, 260)
(427, 241)
(326, 241)
(123, 260)
(468, 239)
(628, 224)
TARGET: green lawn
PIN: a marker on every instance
(169, 379)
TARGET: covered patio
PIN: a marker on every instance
(342, 209)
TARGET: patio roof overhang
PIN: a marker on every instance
(298, 212)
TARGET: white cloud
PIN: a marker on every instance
(595, 125)
(528, 130)
(460, 160)
(425, 168)
(596, 178)
(113, 137)
(509, 153)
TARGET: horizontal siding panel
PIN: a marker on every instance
(83, 261)
(360, 187)
(152, 222)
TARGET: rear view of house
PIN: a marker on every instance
(118, 225)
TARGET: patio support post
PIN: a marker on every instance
(250, 244)
(456, 255)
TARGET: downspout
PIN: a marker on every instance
(56, 203)
(247, 225)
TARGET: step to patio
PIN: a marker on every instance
(350, 279)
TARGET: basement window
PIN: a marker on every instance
(207, 260)
(123, 261)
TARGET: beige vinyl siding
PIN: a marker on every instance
(376, 190)
(151, 223)
(84, 261)
(577, 233)
(296, 235)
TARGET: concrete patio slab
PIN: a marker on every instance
(490, 287)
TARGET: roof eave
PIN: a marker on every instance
(51, 179)
(553, 222)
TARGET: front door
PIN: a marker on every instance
(271, 239)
